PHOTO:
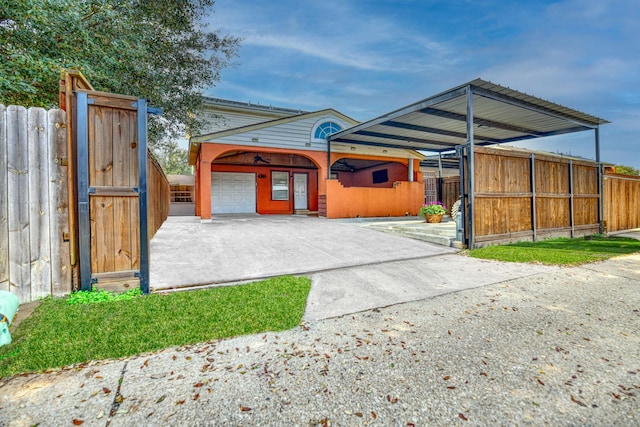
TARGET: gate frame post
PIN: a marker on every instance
(84, 219)
(143, 211)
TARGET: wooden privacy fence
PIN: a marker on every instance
(117, 211)
(159, 195)
(622, 201)
(34, 233)
(526, 196)
(450, 190)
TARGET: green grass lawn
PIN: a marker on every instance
(59, 334)
(560, 251)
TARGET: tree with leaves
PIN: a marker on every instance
(174, 160)
(160, 50)
(627, 170)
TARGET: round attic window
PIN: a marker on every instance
(325, 129)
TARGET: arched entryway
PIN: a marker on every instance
(263, 182)
(377, 173)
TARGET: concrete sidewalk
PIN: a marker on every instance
(353, 267)
(436, 339)
(560, 347)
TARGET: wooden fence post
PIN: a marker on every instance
(39, 233)
(4, 204)
(33, 259)
(59, 204)
(18, 203)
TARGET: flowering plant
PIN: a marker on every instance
(433, 208)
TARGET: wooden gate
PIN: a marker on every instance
(430, 186)
(111, 164)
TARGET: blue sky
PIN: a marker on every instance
(366, 58)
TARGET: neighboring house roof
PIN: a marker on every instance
(180, 179)
(227, 104)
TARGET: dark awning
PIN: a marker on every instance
(439, 123)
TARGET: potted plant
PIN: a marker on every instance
(433, 211)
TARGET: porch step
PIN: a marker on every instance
(431, 238)
(305, 212)
(439, 235)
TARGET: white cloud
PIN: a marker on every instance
(366, 58)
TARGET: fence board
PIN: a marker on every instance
(4, 225)
(504, 197)
(134, 210)
(58, 204)
(122, 156)
(159, 195)
(18, 203)
(39, 203)
(450, 191)
(622, 202)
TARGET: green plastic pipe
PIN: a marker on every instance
(8, 306)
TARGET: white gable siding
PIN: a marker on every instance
(216, 121)
(293, 135)
(297, 134)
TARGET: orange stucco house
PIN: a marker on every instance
(269, 160)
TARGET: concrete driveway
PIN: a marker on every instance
(352, 267)
(236, 248)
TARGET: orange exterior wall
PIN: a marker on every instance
(395, 172)
(342, 202)
(350, 202)
(263, 180)
(210, 151)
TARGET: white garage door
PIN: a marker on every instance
(233, 192)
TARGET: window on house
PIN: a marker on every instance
(279, 185)
(380, 176)
(326, 129)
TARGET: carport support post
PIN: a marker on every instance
(142, 195)
(470, 160)
(532, 178)
(440, 177)
(600, 182)
(84, 220)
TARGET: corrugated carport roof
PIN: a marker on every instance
(439, 123)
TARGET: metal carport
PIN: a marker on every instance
(475, 113)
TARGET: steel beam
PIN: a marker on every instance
(406, 146)
(526, 105)
(401, 112)
(407, 139)
(481, 122)
(426, 129)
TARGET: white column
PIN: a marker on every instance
(410, 170)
